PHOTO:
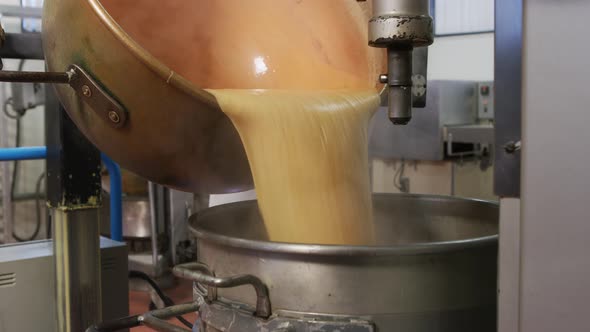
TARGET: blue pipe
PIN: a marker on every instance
(116, 198)
(40, 152)
(29, 153)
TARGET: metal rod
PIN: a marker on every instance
(6, 180)
(19, 11)
(35, 77)
(153, 224)
(399, 76)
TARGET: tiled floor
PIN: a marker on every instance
(139, 302)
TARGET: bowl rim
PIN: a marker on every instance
(346, 250)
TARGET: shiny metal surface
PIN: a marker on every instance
(448, 103)
(136, 217)
(401, 7)
(435, 261)
(76, 248)
(508, 95)
(400, 26)
(176, 134)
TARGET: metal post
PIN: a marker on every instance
(74, 195)
(6, 179)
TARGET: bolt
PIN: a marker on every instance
(512, 147)
(86, 91)
(114, 117)
(383, 78)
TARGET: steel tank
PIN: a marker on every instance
(433, 268)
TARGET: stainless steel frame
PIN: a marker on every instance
(508, 92)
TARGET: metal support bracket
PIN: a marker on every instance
(85, 87)
(100, 101)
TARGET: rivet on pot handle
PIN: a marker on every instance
(100, 101)
(83, 84)
(202, 274)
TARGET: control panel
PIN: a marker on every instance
(485, 100)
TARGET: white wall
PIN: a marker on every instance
(468, 57)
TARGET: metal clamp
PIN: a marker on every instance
(83, 84)
(202, 274)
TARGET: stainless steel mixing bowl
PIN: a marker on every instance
(433, 268)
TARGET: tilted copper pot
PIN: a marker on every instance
(154, 58)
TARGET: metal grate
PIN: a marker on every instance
(7, 279)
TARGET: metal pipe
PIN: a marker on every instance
(6, 183)
(399, 79)
(153, 224)
(22, 12)
(24, 153)
(116, 197)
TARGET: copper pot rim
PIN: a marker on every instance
(164, 72)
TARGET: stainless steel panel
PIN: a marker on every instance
(28, 303)
(448, 103)
(555, 229)
(471, 133)
(508, 79)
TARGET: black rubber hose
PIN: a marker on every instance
(17, 117)
(116, 325)
(167, 301)
(37, 213)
